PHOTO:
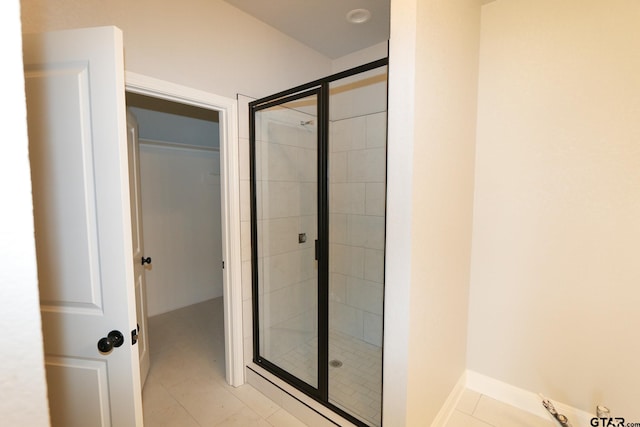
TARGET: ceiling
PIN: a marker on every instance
(322, 24)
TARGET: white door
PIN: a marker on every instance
(78, 151)
(139, 260)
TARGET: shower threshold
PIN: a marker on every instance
(355, 386)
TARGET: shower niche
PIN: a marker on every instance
(318, 186)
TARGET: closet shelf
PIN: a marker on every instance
(176, 145)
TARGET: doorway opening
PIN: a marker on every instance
(179, 214)
(218, 168)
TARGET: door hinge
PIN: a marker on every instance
(223, 265)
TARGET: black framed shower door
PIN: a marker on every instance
(289, 193)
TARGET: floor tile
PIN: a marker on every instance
(460, 419)
(169, 416)
(500, 414)
(255, 400)
(186, 384)
(161, 409)
(175, 365)
(206, 400)
(468, 401)
(154, 394)
(245, 417)
(282, 418)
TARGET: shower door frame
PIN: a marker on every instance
(320, 88)
(320, 254)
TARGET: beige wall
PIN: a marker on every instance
(23, 390)
(204, 44)
(432, 121)
(556, 235)
(370, 54)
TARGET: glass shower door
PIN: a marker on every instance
(318, 173)
(284, 181)
(357, 165)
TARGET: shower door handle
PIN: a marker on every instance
(317, 250)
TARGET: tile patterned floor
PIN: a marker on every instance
(477, 410)
(186, 385)
(356, 386)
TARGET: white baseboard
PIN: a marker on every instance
(450, 404)
(523, 399)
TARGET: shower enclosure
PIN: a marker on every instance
(318, 172)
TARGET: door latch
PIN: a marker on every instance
(134, 334)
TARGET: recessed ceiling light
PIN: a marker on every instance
(358, 16)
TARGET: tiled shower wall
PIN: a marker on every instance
(357, 225)
(357, 186)
(286, 186)
(357, 159)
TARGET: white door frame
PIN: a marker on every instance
(230, 203)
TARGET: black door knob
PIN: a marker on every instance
(114, 339)
(146, 260)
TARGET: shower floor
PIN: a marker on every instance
(355, 386)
